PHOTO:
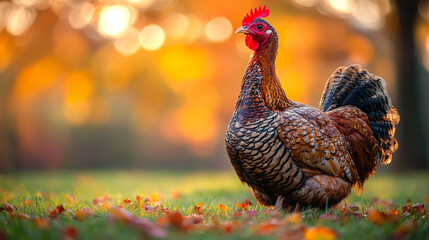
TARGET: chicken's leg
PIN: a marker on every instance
(279, 203)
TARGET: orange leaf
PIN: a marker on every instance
(126, 200)
(83, 213)
(20, 216)
(43, 223)
(176, 220)
(294, 218)
(319, 233)
(223, 207)
(267, 227)
(58, 210)
(198, 208)
(70, 233)
(404, 229)
(417, 208)
(121, 214)
(379, 217)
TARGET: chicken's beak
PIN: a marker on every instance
(243, 29)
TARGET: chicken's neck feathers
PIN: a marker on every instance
(261, 77)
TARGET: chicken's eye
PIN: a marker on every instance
(259, 26)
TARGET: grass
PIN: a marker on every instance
(35, 194)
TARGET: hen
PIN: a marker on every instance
(291, 154)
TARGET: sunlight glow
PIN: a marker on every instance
(20, 20)
(177, 25)
(342, 6)
(367, 14)
(129, 43)
(40, 4)
(81, 15)
(152, 37)
(219, 29)
(79, 89)
(306, 3)
(114, 20)
(4, 12)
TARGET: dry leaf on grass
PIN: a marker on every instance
(319, 233)
(83, 213)
(417, 208)
(42, 223)
(378, 217)
(70, 233)
(57, 211)
(7, 207)
(145, 226)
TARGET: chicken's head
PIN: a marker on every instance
(256, 29)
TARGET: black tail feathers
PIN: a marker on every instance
(357, 87)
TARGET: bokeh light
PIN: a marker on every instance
(167, 73)
(20, 20)
(81, 15)
(152, 37)
(218, 29)
(177, 25)
(342, 6)
(129, 43)
(367, 14)
(114, 20)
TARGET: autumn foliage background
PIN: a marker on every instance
(152, 83)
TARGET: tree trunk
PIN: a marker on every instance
(412, 137)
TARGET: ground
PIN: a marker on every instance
(198, 205)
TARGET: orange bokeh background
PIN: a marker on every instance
(153, 83)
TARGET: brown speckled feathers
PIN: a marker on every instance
(302, 154)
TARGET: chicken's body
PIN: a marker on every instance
(287, 150)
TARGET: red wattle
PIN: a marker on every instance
(252, 44)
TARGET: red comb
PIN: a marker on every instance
(258, 13)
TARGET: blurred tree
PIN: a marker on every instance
(413, 142)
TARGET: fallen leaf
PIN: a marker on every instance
(237, 213)
(175, 219)
(403, 230)
(294, 218)
(70, 233)
(198, 208)
(417, 208)
(252, 213)
(126, 200)
(319, 233)
(121, 214)
(225, 226)
(378, 217)
(58, 210)
(42, 223)
(267, 227)
(149, 228)
(7, 207)
(83, 213)
(20, 216)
